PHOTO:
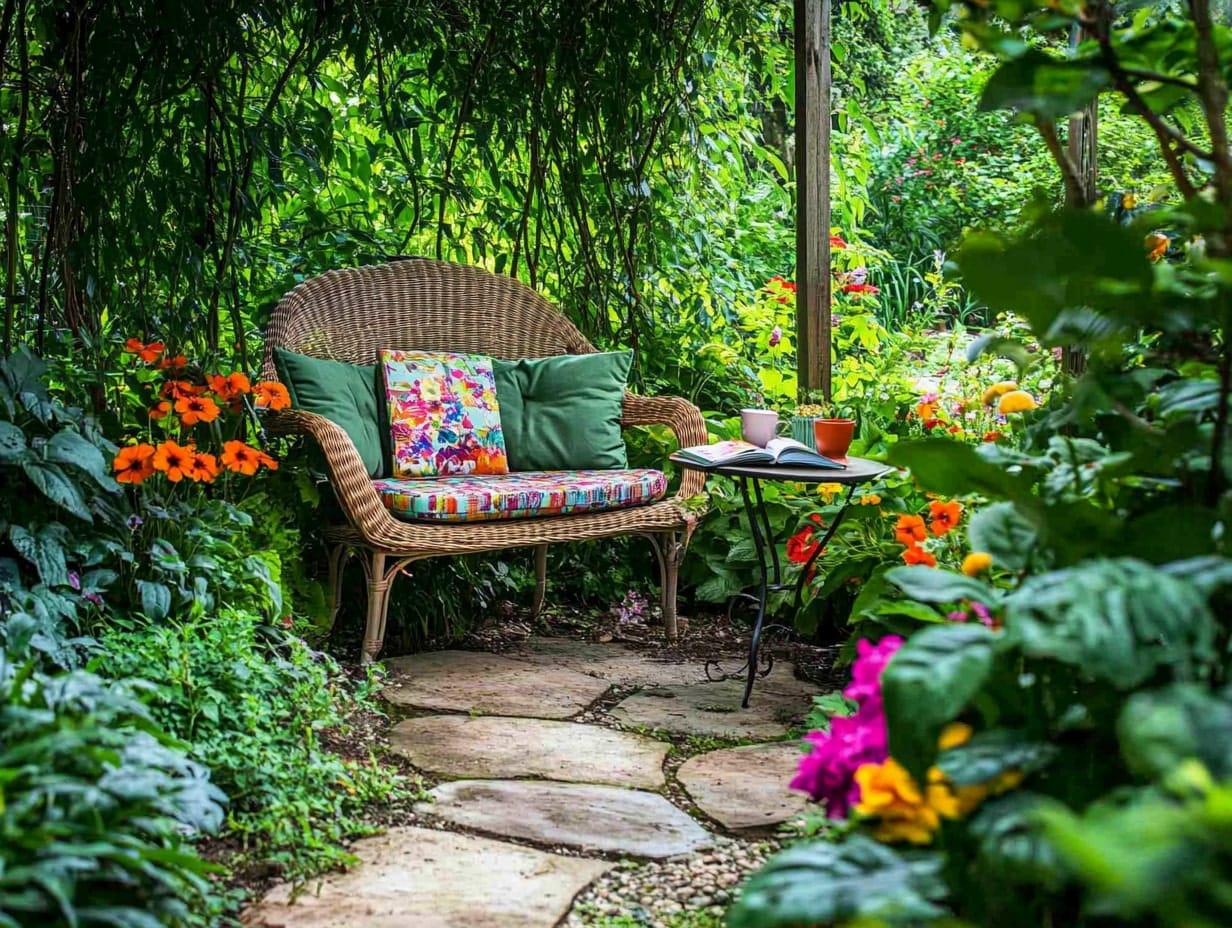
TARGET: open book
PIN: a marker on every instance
(786, 451)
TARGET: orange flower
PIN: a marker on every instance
(267, 461)
(161, 409)
(203, 467)
(147, 353)
(909, 530)
(238, 457)
(914, 554)
(925, 410)
(174, 461)
(134, 463)
(194, 409)
(976, 563)
(176, 363)
(180, 389)
(945, 516)
(1156, 246)
(992, 437)
(271, 394)
(231, 386)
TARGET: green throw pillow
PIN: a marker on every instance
(350, 395)
(563, 412)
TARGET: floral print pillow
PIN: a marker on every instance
(444, 418)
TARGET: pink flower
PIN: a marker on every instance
(776, 335)
(827, 773)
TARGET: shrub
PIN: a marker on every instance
(97, 807)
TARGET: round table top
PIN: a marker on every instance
(858, 470)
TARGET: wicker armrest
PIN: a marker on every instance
(682, 417)
(347, 474)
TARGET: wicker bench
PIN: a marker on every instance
(418, 304)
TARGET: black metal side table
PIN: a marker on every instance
(857, 472)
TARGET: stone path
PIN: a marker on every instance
(578, 750)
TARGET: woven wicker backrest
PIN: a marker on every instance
(417, 304)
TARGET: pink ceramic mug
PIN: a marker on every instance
(758, 426)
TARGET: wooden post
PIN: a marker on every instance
(813, 279)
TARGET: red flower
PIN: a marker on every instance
(802, 545)
(945, 516)
(148, 353)
(914, 554)
(992, 436)
(860, 289)
(837, 243)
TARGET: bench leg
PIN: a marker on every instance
(541, 580)
(669, 550)
(379, 580)
(338, 556)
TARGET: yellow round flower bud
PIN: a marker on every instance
(1016, 401)
(976, 563)
(998, 389)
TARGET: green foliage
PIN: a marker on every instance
(237, 690)
(97, 806)
(1067, 757)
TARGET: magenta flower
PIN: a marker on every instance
(871, 660)
(776, 335)
(827, 773)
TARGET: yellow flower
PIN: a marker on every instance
(976, 563)
(827, 491)
(1016, 401)
(998, 389)
(889, 792)
(954, 735)
(871, 500)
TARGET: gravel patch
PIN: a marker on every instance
(656, 894)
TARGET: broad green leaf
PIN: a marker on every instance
(1038, 84)
(824, 883)
(928, 683)
(44, 551)
(955, 469)
(1000, 530)
(1206, 574)
(155, 599)
(67, 447)
(12, 442)
(1159, 729)
(1171, 533)
(990, 753)
(1116, 620)
(1011, 842)
(935, 585)
(57, 487)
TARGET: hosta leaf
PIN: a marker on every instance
(12, 442)
(934, 585)
(67, 447)
(991, 753)
(1116, 620)
(1159, 729)
(155, 599)
(824, 882)
(1000, 530)
(52, 483)
(928, 683)
(1011, 842)
(44, 551)
(954, 469)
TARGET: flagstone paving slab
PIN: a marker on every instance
(745, 787)
(612, 662)
(713, 709)
(489, 684)
(590, 818)
(491, 747)
(434, 879)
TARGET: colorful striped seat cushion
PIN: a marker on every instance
(519, 495)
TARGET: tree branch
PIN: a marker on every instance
(1069, 171)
